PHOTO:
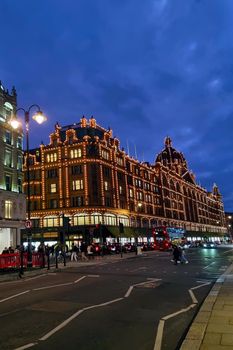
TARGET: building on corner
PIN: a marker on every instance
(85, 175)
(12, 200)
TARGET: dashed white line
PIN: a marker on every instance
(14, 296)
(54, 286)
(80, 279)
(26, 346)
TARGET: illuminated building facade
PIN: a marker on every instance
(85, 175)
(12, 200)
(229, 224)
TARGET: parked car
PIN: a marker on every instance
(209, 245)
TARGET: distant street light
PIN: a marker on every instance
(39, 117)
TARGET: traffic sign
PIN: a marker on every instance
(28, 224)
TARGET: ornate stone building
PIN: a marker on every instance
(12, 200)
(85, 175)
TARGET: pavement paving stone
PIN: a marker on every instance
(215, 347)
(220, 319)
(223, 313)
(228, 307)
(219, 328)
(212, 338)
(227, 339)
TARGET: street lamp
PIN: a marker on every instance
(39, 117)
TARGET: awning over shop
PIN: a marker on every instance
(204, 234)
(129, 232)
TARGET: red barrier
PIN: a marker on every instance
(38, 259)
(8, 261)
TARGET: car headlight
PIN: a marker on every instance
(204, 245)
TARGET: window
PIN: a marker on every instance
(50, 222)
(8, 182)
(131, 193)
(53, 188)
(106, 171)
(105, 154)
(19, 142)
(76, 170)
(20, 163)
(19, 185)
(53, 204)
(119, 161)
(8, 109)
(108, 201)
(52, 173)
(106, 187)
(120, 189)
(139, 196)
(8, 137)
(77, 185)
(8, 156)
(8, 209)
(51, 157)
(77, 201)
(76, 153)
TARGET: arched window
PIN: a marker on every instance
(110, 219)
(124, 220)
(50, 221)
(96, 218)
(81, 219)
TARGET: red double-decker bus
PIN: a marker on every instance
(165, 237)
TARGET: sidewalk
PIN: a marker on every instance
(212, 328)
(13, 276)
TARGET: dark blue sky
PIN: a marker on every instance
(147, 69)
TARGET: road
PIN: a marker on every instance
(141, 303)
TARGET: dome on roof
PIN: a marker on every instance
(170, 155)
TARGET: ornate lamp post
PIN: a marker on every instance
(39, 117)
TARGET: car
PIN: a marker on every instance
(209, 245)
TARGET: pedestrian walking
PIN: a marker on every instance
(176, 254)
(90, 252)
(83, 249)
(183, 258)
(74, 252)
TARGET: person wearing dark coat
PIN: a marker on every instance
(176, 254)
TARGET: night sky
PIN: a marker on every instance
(147, 69)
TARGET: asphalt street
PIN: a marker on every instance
(141, 303)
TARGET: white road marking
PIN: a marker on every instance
(228, 251)
(54, 286)
(76, 314)
(79, 312)
(179, 312)
(80, 279)
(194, 299)
(93, 275)
(14, 296)
(159, 334)
(206, 267)
(127, 294)
(26, 346)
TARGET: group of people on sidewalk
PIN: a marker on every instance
(179, 255)
(83, 252)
